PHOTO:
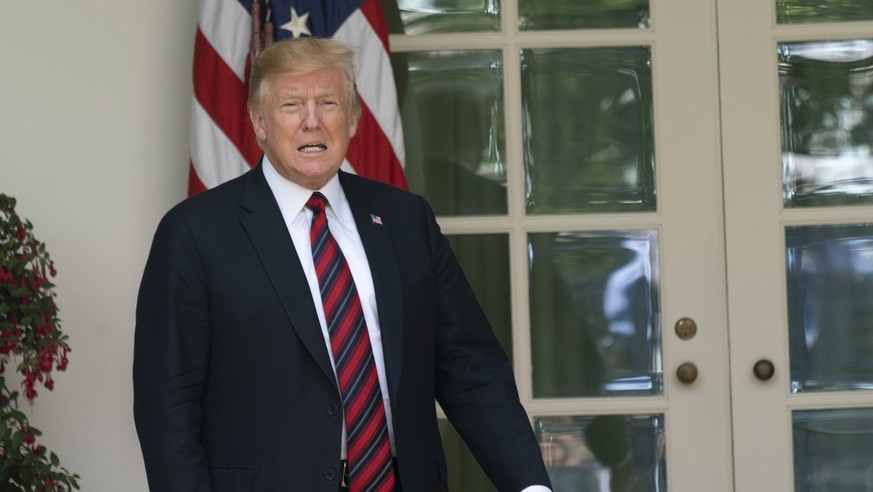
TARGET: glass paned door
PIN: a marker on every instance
(605, 453)
(595, 313)
(446, 16)
(604, 161)
(833, 449)
(557, 14)
(797, 113)
(572, 157)
(829, 284)
(813, 11)
(454, 126)
(826, 99)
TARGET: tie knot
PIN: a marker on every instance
(317, 202)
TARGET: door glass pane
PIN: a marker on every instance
(440, 16)
(590, 14)
(805, 11)
(826, 95)
(452, 111)
(485, 260)
(830, 306)
(833, 450)
(606, 453)
(595, 314)
(588, 130)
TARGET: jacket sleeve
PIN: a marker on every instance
(474, 381)
(171, 355)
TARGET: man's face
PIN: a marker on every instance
(302, 122)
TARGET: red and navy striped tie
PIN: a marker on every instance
(369, 452)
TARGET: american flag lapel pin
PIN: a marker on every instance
(376, 219)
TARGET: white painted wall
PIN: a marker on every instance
(94, 111)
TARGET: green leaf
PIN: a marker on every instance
(4, 308)
(17, 438)
(19, 292)
(54, 459)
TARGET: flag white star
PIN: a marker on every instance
(297, 24)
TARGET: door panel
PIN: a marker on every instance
(796, 121)
(588, 135)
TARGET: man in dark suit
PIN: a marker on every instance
(239, 378)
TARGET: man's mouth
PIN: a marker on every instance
(312, 148)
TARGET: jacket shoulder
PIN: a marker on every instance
(222, 198)
(377, 191)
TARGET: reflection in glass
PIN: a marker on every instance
(830, 306)
(606, 453)
(833, 450)
(826, 99)
(465, 474)
(452, 111)
(441, 16)
(595, 314)
(806, 11)
(588, 130)
(485, 260)
(590, 14)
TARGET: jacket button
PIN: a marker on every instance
(330, 474)
(333, 409)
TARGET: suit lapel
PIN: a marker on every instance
(267, 231)
(386, 277)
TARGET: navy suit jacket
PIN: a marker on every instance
(233, 387)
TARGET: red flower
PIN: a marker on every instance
(30, 331)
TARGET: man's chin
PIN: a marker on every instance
(311, 175)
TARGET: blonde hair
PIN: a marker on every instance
(304, 55)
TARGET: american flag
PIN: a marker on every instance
(223, 144)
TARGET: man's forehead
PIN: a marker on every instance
(320, 81)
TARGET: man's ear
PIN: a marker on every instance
(353, 127)
(257, 123)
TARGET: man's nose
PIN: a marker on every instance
(311, 119)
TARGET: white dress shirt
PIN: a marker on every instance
(292, 203)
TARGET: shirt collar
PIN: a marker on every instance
(292, 197)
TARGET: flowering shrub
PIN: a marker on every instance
(29, 332)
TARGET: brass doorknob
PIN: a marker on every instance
(687, 373)
(764, 369)
(686, 329)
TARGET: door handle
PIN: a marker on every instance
(764, 370)
(687, 373)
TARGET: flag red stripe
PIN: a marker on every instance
(194, 184)
(223, 96)
(372, 10)
(371, 154)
